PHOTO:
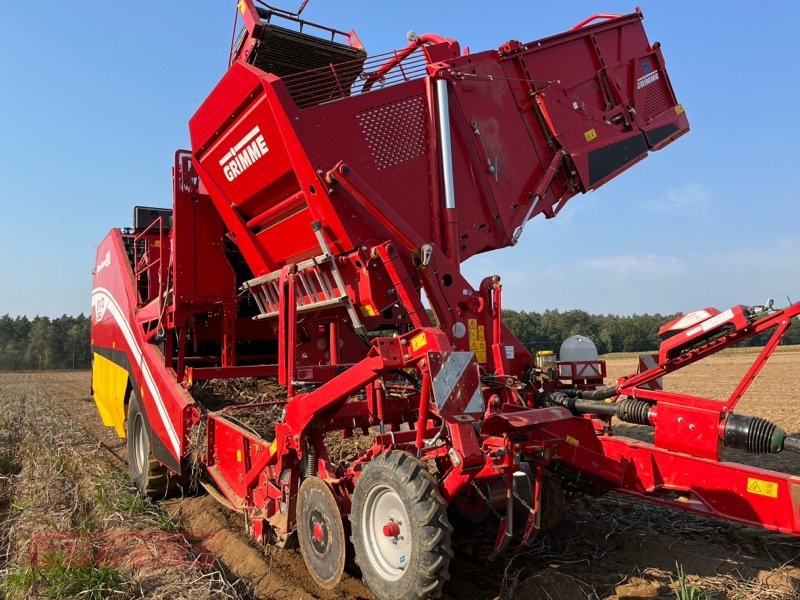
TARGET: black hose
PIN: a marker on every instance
(598, 394)
(629, 410)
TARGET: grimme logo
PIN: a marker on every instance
(244, 154)
(106, 262)
(646, 80)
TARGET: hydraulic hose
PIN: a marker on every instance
(598, 394)
(629, 410)
(742, 432)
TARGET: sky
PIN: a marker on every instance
(95, 98)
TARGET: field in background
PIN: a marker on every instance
(61, 470)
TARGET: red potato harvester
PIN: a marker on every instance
(326, 193)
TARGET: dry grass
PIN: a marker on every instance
(65, 511)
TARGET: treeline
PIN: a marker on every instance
(64, 343)
(43, 343)
(610, 333)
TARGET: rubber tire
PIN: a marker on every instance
(154, 480)
(554, 502)
(428, 568)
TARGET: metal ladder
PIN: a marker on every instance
(319, 285)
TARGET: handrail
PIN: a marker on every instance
(596, 17)
(139, 270)
(401, 55)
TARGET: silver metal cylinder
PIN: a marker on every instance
(444, 143)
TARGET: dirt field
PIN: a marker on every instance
(609, 547)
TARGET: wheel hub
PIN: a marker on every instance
(319, 531)
(391, 529)
(140, 441)
(388, 540)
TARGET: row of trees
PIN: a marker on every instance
(610, 333)
(43, 343)
(64, 343)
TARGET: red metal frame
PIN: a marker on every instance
(276, 179)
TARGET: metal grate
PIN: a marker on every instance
(284, 52)
(397, 131)
(657, 99)
(336, 81)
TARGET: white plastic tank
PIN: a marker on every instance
(579, 349)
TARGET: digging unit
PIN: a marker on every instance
(329, 199)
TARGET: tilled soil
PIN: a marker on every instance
(70, 524)
(608, 547)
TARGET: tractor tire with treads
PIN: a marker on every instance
(149, 476)
(400, 530)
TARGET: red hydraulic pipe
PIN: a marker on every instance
(423, 409)
(379, 400)
(292, 326)
(334, 342)
(401, 55)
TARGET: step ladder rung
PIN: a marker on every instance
(315, 288)
(304, 308)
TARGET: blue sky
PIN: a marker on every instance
(95, 98)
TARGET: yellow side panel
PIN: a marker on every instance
(110, 381)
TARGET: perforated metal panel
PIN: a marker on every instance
(395, 132)
(657, 99)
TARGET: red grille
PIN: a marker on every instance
(395, 132)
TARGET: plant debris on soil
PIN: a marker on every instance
(242, 401)
(71, 524)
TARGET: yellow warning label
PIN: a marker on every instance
(477, 345)
(273, 448)
(590, 135)
(242, 6)
(238, 456)
(679, 109)
(418, 342)
(368, 310)
(472, 323)
(157, 244)
(762, 488)
(480, 356)
(481, 332)
(572, 441)
(473, 335)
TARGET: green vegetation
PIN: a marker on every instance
(610, 333)
(59, 579)
(64, 343)
(113, 493)
(682, 589)
(44, 343)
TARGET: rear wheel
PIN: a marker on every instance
(149, 476)
(401, 533)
